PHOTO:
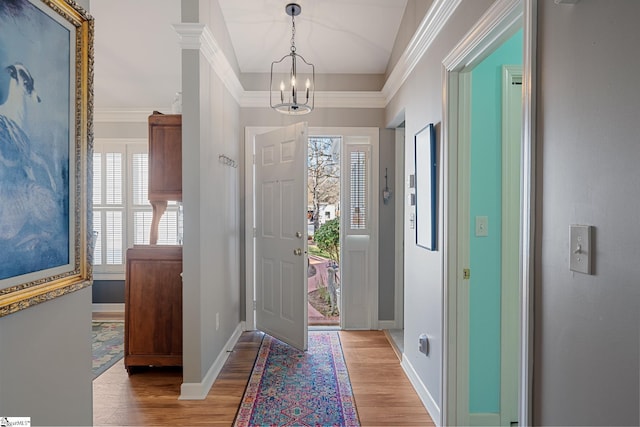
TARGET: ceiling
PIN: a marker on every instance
(338, 36)
(137, 56)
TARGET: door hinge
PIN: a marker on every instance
(255, 304)
(254, 159)
(254, 232)
(466, 273)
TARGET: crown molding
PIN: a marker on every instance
(196, 36)
(323, 99)
(433, 22)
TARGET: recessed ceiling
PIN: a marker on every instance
(137, 52)
(337, 36)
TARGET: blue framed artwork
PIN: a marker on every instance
(425, 183)
(46, 68)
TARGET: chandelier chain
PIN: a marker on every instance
(293, 34)
(295, 97)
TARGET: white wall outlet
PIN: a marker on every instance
(482, 226)
(424, 344)
(581, 256)
(217, 321)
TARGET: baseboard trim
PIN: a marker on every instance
(484, 419)
(426, 398)
(199, 391)
(107, 308)
(387, 324)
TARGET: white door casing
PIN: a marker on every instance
(509, 320)
(500, 21)
(399, 228)
(281, 234)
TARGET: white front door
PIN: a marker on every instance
(281, 234)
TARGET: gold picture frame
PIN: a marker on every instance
(46, 49)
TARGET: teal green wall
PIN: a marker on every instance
(486, 177)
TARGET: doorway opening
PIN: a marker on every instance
(358, 225)
(323, 230)
(488, 258)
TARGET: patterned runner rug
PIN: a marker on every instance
(292, 388)
(107, 345)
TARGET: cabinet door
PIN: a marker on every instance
(155, 308)
(165, 157)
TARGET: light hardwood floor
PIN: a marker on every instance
(383, 394)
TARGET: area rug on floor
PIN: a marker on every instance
(107, 344)
(292, 388)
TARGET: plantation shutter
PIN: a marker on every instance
(142, 212)
(113, 197)
(97, 228)
(97, 179)
(121, 210)
(140, 201)
(358, 187)
(97, 215)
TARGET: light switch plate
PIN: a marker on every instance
(482, 226)
(581, 255)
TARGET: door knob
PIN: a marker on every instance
(297, 251)
(298, 234)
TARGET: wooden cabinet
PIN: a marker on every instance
(153, 307)
(165, 157)
(165, 165)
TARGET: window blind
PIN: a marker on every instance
(97, 178)
(97, 228)
(140, 178)
(358, 190)
(114, 179)
(114, 240)
(167, 228)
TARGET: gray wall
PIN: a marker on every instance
(586, 368)
(413, 15)
(323, 82)
(420, 101)
(45, 362)
(120, 130)
(211, 194)
(386, 228)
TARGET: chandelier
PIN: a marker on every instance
(292, 77)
